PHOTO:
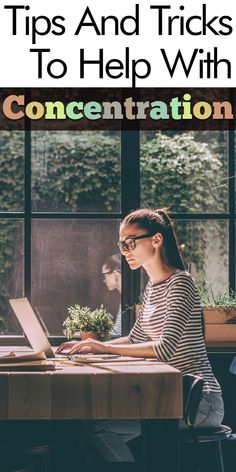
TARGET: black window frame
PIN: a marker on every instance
(130, 199)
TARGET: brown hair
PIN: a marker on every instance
(158, 221)
(113, 262)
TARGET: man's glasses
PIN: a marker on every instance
(129, 243)
(104, 274)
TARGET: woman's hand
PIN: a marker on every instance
(65, 347)
(89, 346)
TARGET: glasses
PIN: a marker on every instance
(129, 243)
(104, 274)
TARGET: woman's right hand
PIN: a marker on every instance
(65, 346)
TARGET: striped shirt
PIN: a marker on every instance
(171, 317)
(117, 328)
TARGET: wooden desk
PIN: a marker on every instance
(146, 390)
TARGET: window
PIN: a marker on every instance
(188, 172)
(63, 194)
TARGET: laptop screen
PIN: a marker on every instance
(31, 326)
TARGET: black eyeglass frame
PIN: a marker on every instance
(106, 273)
(122, 244)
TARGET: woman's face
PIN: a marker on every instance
(145, 248)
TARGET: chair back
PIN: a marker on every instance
(192, 390)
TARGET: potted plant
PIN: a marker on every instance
(87, 323)
(219, 312)
(133, 308)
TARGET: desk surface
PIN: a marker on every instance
(145, 389)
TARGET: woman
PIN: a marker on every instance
(169, 326)
(111, 272)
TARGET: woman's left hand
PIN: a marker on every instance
(89, 346)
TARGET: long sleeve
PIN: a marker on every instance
(117, 328)
(137, 335)
(171, 322)
(180, 301)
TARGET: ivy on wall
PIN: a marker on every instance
(180, 172)
(11, 199)
(82, 174)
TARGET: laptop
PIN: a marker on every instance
(31, 326)
(37, 337)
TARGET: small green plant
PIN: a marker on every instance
(227, 298)
(84, 319)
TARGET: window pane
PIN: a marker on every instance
(11, 170)
(233, 179)
(11, 272)
(76, 171)
(186, 172)
(204, 246)
(67, 262)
